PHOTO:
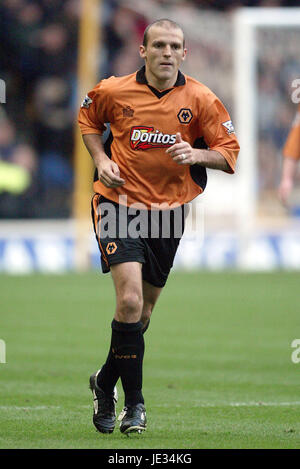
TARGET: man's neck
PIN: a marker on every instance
(160, 85)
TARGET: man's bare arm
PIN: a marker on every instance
(208, 158)
(108, 170)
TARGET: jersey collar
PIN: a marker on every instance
(141, 77)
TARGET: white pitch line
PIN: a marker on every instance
(38, 407)
(261, 404)
(234, 404)
(199, 404)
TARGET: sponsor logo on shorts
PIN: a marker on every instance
(111, 248)
(143, 138)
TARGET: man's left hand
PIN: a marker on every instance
(182, 152)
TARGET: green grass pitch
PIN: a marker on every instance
(217, 371)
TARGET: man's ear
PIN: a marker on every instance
(142, 51)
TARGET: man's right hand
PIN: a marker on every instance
(108, 170)
(109, 174)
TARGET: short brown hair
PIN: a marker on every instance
(161, 22)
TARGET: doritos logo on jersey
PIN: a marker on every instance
(229, 127)
(143, 138)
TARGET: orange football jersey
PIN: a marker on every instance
(292, 145)
(143, 124)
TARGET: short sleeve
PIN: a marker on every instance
(95, 110)
(218, 131)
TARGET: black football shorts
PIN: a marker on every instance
(150, 237)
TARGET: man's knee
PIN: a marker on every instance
(129, 306)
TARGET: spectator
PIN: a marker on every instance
(18, 169)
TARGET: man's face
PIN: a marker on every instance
(164, 53)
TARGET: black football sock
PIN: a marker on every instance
(128, 350)
(108, 375)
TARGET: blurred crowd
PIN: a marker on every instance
(276, 71)
(38, 62)
(38, 46)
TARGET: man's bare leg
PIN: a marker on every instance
(150, 297)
